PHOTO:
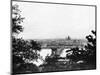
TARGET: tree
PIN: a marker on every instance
(16, 29)
(35, 45)
(91, 48)
(16, 20)
(22, 50)
(21, 47)
(89, 54)
(31, 50)
(17, 60)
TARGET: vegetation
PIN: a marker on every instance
(16, 20)
(80, 59)
(88, 55)
(91, 48)
(22, 50)
(77, 54)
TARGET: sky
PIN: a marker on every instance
(50, 21)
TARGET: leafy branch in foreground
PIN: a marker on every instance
(23, 51)
(89, 54)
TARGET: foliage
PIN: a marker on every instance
(25, 49)
(77, 54)
(16, 29)
(51, 60)
(91, 48)
(26, 68)
(22, 50)
(53, 51)
(35, 45)
(20, 47)
(16, 20)
(89, 54)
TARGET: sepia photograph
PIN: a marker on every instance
(52, 37)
